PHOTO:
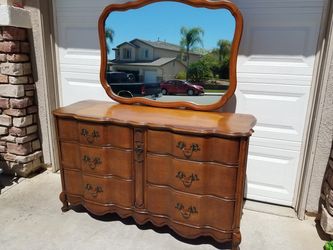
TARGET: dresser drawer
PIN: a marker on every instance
(194, 147)
(108, 190)
(73, 182)
(196, 210)
(70, 155)
(106, 161)
(68, 130)
(95, 134)
(101, 135)
(193, 177)
(97, 160)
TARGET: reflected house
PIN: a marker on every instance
(150, 61)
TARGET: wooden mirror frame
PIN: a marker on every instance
(222, 4)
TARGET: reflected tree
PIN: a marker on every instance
(190, 37)
(109, 35)
(224, 49)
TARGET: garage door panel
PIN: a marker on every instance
(78, 45)
(85, 4)
(277, 109)
(77, 68)
(279, 43)
(150, 76)
(275, 143)
(275, 69)
(277, 163)
(269, 78)
(282, 6)
(85, 85)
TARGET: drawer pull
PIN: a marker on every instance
(139, 149)
(93, 191)
(92, 163)
(186, 213)
(90, 137)
(187, 180)
(188, 151)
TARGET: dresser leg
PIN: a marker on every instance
(236, 240)
(63, 199)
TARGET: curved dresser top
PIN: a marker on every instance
(178, 120)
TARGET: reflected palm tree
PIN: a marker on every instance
(190, 37)
(109, 35)
(224, 49)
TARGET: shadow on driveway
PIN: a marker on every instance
(149, 226)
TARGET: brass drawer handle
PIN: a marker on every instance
(186, 213)
(187, 180)
(91, 162)
(90, 137)
(93, 191)
(188, 151)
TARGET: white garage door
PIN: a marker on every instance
(274, 73)
(150, 76)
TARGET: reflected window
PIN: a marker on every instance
(127, 53)
(146, 53)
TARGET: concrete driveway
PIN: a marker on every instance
(31, 218)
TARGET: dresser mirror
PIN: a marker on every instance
(170, 53)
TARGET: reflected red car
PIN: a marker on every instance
(181, 87)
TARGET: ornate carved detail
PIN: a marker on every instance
(186, 213)
(90, 136)
(93, 191)
(64, 201)
(187, 180)
(188, 151)
(139, 149)
(236, 240)
(91, 162)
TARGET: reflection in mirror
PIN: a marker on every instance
(169, 51)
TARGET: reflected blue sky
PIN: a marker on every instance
(163, 21)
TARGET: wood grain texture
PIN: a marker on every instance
(70, 155)
(192, 177)
(108, 190)
(225, 4)
(106, 161)
(185, 121)
(181, 168)
(68, 129)
(196, 210)
(194, 148)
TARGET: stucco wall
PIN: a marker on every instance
(140, 53)
(130, 48)
(171, 69)
(323, 124)
(323, 145)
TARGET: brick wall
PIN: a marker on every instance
(20, 149)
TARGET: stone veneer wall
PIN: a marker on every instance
(20, 149)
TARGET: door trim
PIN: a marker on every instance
(317, 95)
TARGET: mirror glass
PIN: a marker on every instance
(169, 51)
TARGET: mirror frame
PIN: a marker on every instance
(222, 4)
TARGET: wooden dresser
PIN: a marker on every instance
(181, 168)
